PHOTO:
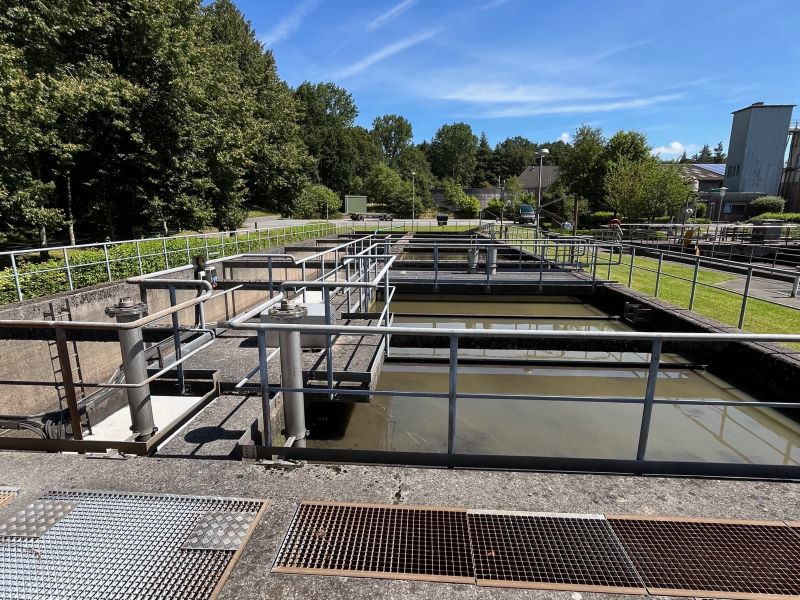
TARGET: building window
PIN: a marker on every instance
(734, 209)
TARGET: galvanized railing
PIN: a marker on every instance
(72, 267)
(640, 464)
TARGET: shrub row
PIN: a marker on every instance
(788, 217)
(39, 277)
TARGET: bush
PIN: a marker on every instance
(313, 201)
(788, 217)
(463, 205)
(766, 204)
(701, 210)
(663, 219)
(88, 265)
(698, 220)
(600, 218)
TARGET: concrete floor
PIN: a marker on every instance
(196, 462)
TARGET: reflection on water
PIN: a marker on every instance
(552, 428)
(576, 429)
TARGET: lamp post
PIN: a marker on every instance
(502, 203)
(413, 197)
(542, 153)
(722, 192)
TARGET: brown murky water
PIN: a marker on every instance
(549, 428)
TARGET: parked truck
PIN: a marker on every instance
(356, 207)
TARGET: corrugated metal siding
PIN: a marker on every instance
(758, 145)
(766, 147)
(736, 148)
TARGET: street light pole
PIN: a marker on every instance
(502, 203)
(722, 192)
(413, 197)
(542, 153)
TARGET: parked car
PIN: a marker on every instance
(525, 214)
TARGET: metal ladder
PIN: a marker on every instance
(64, 314)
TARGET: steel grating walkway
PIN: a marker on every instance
(633, 555)
(84, 545)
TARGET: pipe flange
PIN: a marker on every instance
(287, 311)
(127, 307)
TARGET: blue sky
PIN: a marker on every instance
(674, 70)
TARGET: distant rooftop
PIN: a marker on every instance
(762, 105)
(718, 168)
(704, 171)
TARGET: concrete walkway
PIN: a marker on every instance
(196, 462)
(768, 289)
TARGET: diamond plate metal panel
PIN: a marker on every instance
(36, 519)
(119, 546)
(219, 531)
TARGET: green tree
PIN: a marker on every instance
(719, 155)
(412, 160)
(463, 205)
(393, 134)
(452, 153)
(484, 164)
(513, 156)
(644, 189)
(316, 201)
(704, 156)
(583, 167)
(630, 145)
(385, 186)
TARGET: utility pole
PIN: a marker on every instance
(542, 153)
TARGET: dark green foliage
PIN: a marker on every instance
(462, 205)
(124, 115)
(600, 218)
(88, 265)
(788, 217)
(701, 210)
(765, 204)
(484, 164)
(393, 134)
(453, 151)
(583, 169)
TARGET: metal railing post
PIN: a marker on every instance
(69, 272)
(188, 251)
(658, 273)
(263, 375)
(796, 284)
(15, 274)
(108, 264)
(139, 257)
(326, 299)
(69, 383)
(630, 272)
(745, 296)
(452, 396)
(166, 255)
(176, 338)
(649, 396)
(435, 266)
(270, 277)
(694, 282)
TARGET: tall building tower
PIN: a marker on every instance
(757, 147)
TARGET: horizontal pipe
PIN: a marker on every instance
(497, 333)
(538, 398)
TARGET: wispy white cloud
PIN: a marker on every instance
(580, 108)
(290, 23)
(502, 93)
(492, 4)
(674, 150)
(392, 13)
(384, 53)
(565, 137)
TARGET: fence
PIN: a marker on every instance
(72, 267)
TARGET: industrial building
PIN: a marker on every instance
(757, 147)
(790, 181)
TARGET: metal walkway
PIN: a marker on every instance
(83, 545)
(574, 552)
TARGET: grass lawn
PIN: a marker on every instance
(715, 303)
(252, 213)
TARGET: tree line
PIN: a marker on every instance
(121, 118)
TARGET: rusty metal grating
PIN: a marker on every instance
(115, 545)
(368, 540)
(550, 551)
(7, 495)
(721, 559)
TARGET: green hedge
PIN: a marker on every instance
(88, 266)
(788, 217)
(600, 218)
